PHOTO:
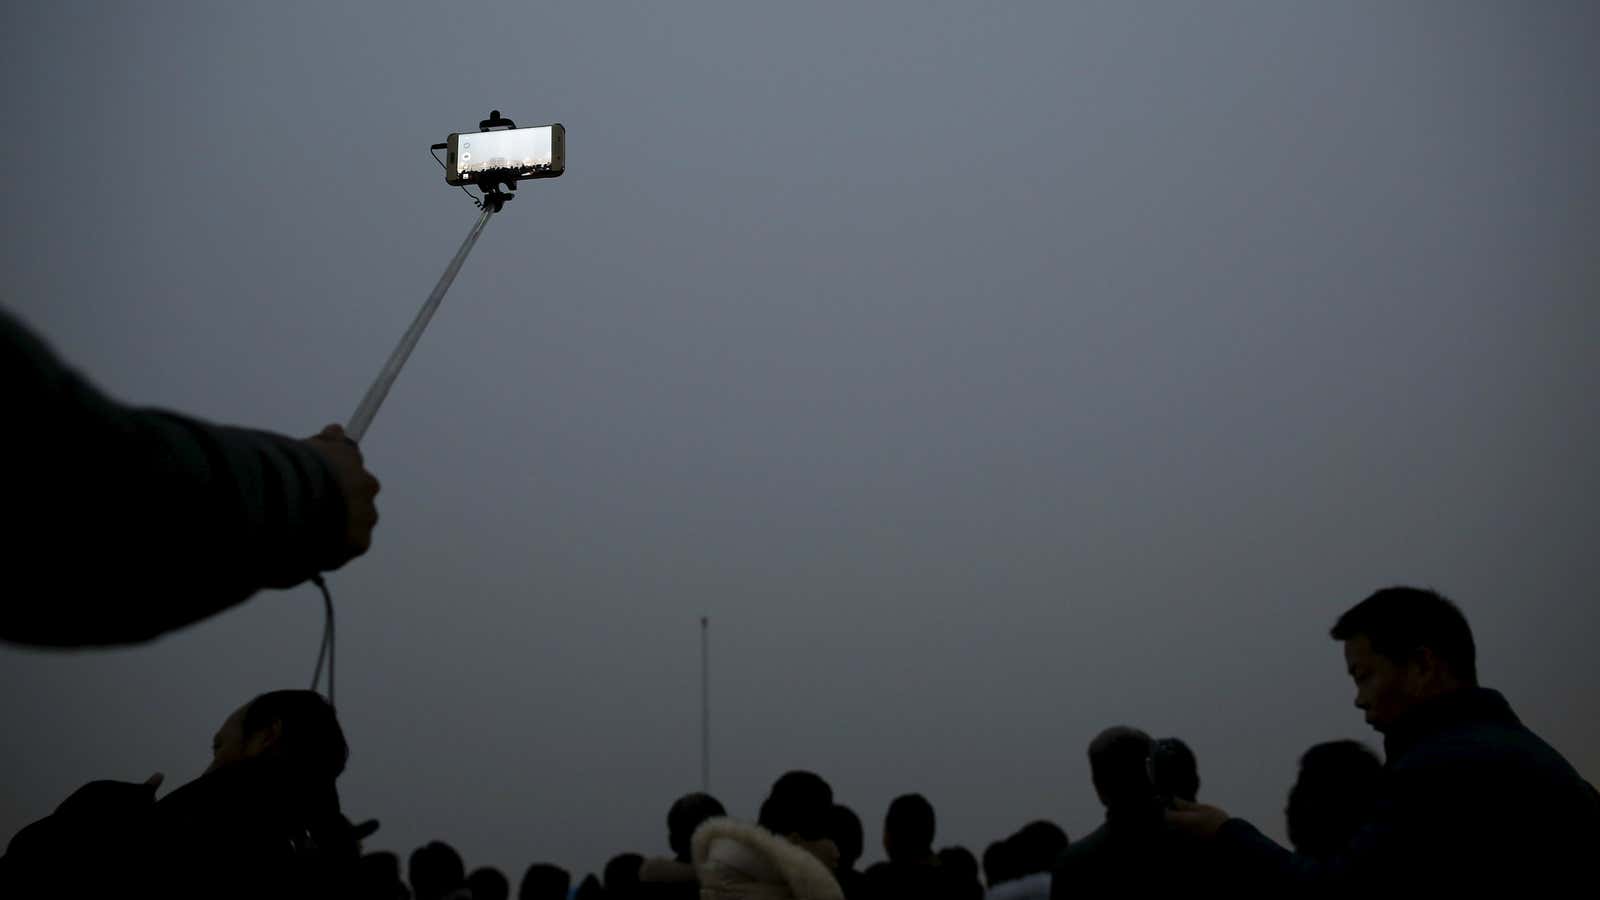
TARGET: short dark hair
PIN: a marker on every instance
(1399, 621)
(959, 870)
(436, 869)
(1036, 846)
(1174, 770)
(799, 803)
(312, 742)
(688, 813)
(1117, 758)
(1000, 863)
(844, 828)
(544, 881)
(1333, 796)
(910, 825)
(589, 889)
(377, 874)
(489, 883)
(621, 878)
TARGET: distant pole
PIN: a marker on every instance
(705, 704)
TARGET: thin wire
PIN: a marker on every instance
(475, 201)
(326, 650)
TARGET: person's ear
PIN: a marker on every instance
(1427, 671)
(264, 739)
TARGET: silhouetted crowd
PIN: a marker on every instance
(1465, 800)
(184, 518)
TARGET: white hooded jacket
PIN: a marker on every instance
(740, 861)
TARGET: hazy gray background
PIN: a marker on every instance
(989, 374)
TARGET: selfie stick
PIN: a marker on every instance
(391, 369)
(493, 201)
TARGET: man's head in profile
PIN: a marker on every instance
(1402, 647)
(294, 729)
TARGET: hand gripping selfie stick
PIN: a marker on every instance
(493, 201)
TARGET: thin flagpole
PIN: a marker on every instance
(705, 704)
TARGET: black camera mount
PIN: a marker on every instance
(488, 183)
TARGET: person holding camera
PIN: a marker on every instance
(129, 522)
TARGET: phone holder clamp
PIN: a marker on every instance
(488, 184)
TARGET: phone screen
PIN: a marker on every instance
(520, 152)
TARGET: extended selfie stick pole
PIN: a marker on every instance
(492, 202)
(391, 370)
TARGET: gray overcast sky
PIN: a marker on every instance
(988, 373)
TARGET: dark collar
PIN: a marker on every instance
(253, 787)
(1467, 706)
(1142, 815)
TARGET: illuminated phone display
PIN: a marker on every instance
(537, 152)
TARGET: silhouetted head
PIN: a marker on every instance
(589, 889)
(296, 729)
(687, 814)
(844, 828)
(622, 875)
(1117, 764)
(544, 881)
(436, 869)
(489, 883)
(1333, 796)
(1404, 646)
(958, 869)
(1000, 863)
(908, 829)
(1173, 770)
(378, 878)
(799, 804)
(1035, 847)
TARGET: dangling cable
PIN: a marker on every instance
(326, 650)
(475, 201)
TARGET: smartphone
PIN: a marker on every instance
(537, 152)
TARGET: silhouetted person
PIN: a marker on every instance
(544, 881)
(674, 879)
(622, 876)
(1029, 855)
(1174, 772)
(378, 878)
(1335, 794)
(91, 846)
(959, 872)
(436, 871)
(999, 864)
(786, 854)
(1471, 801)
(489, 883)
(912, 869)
(133, 522)
(844, 829)
(262, 821)
(1132, 850)
(589, 888)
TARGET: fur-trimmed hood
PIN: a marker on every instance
(737, 860)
